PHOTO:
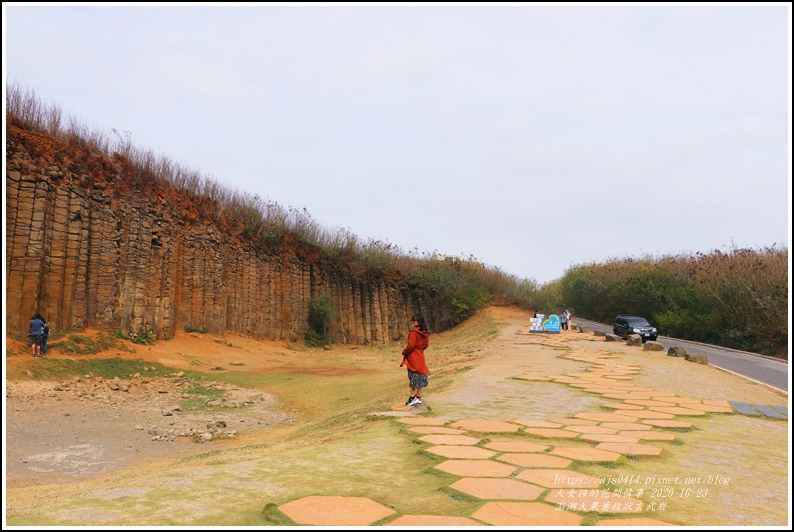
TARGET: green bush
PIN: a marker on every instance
(736, 299)
(145, 335)
(321, 312)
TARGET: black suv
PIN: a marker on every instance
(626, 325)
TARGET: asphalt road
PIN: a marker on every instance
(761, 368)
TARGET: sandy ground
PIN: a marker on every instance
(57, 431)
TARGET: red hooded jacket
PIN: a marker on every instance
(414, 352)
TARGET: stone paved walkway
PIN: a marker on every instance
(530, 482)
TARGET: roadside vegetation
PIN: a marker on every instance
(737, 298)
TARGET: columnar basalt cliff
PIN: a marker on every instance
(93, 243)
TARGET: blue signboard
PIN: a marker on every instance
(545, 325)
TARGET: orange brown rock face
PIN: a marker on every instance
(93, 241)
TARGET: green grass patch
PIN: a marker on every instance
(201, 394)
(58, 369)
(79, 344)
(272, 516)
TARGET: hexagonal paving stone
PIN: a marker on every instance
(573, 421)
(435, 430)
(551, 433)
(649, 414)
(615, 438)
(626, 426)
(601, 501)
(591, 429)
(599, 390)
(716, 402)
(537, 423)
(631, 448)
(556, 478)
(450, 439)
(498, 488)
(486, 425)
(476, 468)
(515, 446)
(673, 401)
(622, 406)
(586, 454)
(648, 402)
(667, 423)
(713, 408)
(335, 511)
(525, 514)
(640, 396)
(678, 410)
(603, 416)
(535, 460)
(459, 451)
(423, 421)
(432, 520)
(682, 400)
(632, 521)
(648, 435)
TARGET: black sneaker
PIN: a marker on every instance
(408, 402)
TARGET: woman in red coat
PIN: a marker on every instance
(414, 358)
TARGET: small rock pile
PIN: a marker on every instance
(160, 397)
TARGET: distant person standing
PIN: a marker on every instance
(45, 335)
(564, 320)
(414, 359)
(568, 319)
(35, 333)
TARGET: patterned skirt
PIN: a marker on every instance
(417, 380)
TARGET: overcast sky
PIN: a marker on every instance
(531, 137)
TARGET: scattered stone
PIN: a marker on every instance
(634, 340)
(697, 359)
(599, 333)
(611, 337)
(653, 346)
(676, 352)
